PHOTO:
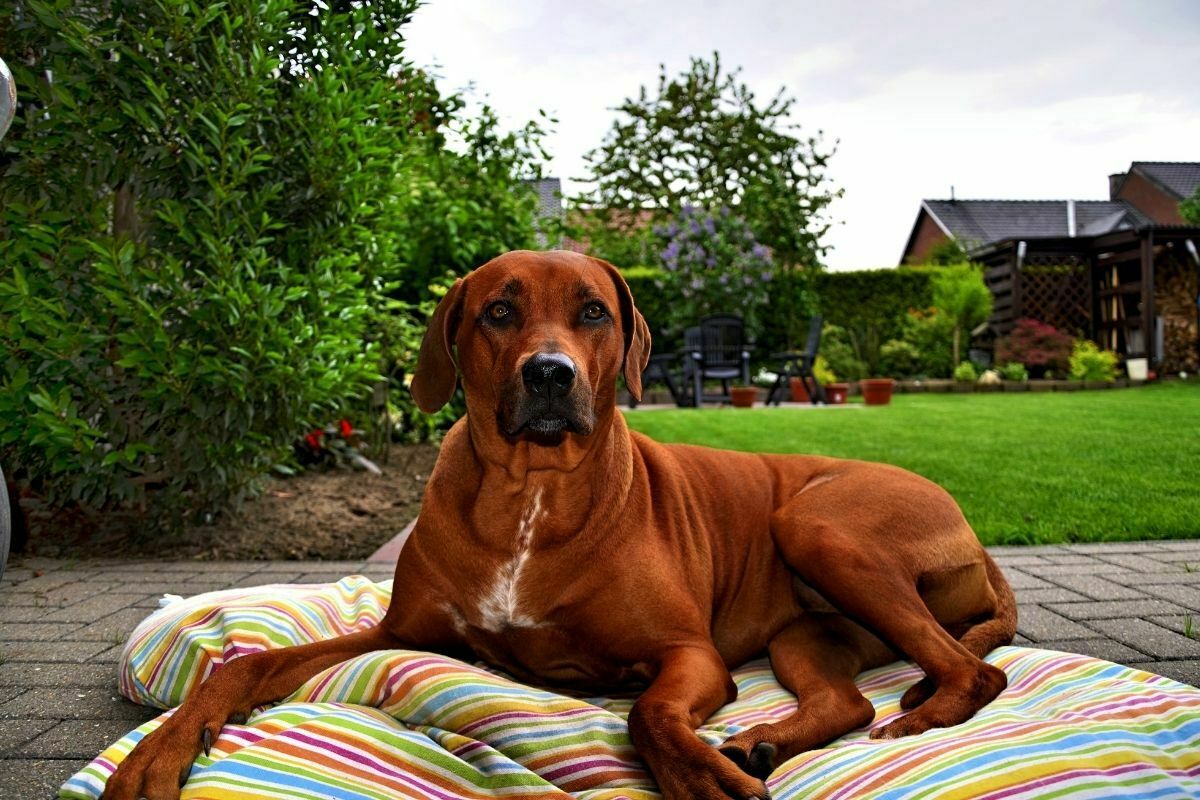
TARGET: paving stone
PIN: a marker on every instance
(1187, 596)
(115, 628)
(1024, 550)
(36, 631)
(1179, 544)
(1019, 580)
(266, 579)
(1106, 649)
(10, 692)
(1114, 547)
(1186, 624)
(1068, 558)
(77, 738)
(16, 576)
(77, 702)
(1114, 609)
(110, 654)
(57, 597)
(1042, 625)
(36, 778)
(1142, 579)
(1019, 561)
(1094, 568)
(23, 613)
(27, 674)
(1186, 671)
(324, 576)
(72, 652)
(1148, 637)
(1022, 641)
(1052, 595)
(94, 607)
(1098, 588)
(1135, 562)
(16, 732)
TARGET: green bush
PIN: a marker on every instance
(199, 235)
(1090, 363)
(899, 359)
(932, 334)
(1014, 371)
(839, 351)
(966, 372)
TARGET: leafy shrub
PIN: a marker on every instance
(966, 372)
(199, 231)
(822, 371)
(1090, 363)
(839, 353)
(1014, 371)
(1038, 346)
(899, 359)
(931, 333)
(960, 294)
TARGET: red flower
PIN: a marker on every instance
(314, 439)
(345, 428)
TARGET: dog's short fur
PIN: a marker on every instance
(555, 543)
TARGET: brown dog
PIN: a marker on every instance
(558, 545)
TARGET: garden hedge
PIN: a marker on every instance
(871, 299)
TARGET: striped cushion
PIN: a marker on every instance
(411, 724)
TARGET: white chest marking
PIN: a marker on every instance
(500, 607)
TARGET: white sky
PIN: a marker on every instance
(1001, 99)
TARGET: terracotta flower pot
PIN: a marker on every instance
(743, 396)
(835, 393)
(799, 390)
(877, 391)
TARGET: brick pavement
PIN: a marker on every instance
(62, 624)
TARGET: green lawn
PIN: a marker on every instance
(1026, 468)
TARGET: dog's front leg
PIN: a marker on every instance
(160, 763)
(692, 682)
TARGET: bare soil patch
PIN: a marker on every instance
(332, 515)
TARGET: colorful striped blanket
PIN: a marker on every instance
(400, 724)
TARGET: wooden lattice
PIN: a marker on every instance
(1055, 290)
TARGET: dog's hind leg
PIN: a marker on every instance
(871, 576)
(816, 658)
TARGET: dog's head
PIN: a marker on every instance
(540, 340)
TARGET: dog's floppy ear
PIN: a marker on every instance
(437, 375)
(637, 333)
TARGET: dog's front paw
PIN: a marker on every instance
(159, 765)
(707, 775)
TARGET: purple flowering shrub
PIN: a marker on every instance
(713, 264)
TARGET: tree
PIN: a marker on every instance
(1190, 209)
(946, 253)
(960, 293)
(206, 212)
(702, 139)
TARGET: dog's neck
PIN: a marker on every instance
(566, 481)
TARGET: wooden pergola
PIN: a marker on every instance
(1133, 291)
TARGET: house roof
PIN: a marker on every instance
(1178, 178)
(979, 222)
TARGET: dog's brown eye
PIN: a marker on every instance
(594, 311)
(499, 312)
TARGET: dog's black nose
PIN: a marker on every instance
(548, 374)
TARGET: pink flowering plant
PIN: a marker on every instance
(1038, 346)
(713, 264)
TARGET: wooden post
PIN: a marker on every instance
(1148, 322)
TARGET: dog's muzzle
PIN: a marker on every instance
(550, 402)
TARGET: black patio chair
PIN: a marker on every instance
(716, 349)
(799, 365)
